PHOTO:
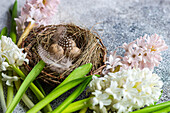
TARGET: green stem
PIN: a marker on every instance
(10, 92)
(54, 94)
(26, 83)
(25, 98)
(19, 72)
(153, 108)
(78, 105)
(73, 96)
(2, 99)
(4, 32)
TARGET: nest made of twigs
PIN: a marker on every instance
(92, 50)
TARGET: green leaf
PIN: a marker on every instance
(10, 12)
(24, 86)
(13, 23)
(75, 106)
(77, 73)
(4, 32)
(55, 93)
(164, 110)
(14, 10)
(153, 108)
(13, 36)
(40, 87)
(73, 96)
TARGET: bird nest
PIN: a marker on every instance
(74, 44)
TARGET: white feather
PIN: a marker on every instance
(55, 62)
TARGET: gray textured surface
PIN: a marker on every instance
(117, 21)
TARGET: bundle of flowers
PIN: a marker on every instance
(120, 84)
(129, 82)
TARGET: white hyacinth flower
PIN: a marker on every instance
(10, 53)
(127, 89)
(3, 65)
(98, 83)
(101, 99)
(9, 79)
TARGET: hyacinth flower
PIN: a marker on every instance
(10, 54)
(33, 14)
(125, 91)
(144, 52)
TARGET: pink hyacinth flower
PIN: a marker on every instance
(39, 12)
(141, 42)
(127, 46)
(112, 61)
(152, 46)
(155, 43)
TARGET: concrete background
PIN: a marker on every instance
(116, 21)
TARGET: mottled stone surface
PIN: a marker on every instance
(117, 21)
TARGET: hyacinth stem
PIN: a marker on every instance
(78, 105)
(4, 32)
(54, 94)
(153, 108)
(25, 98)
(73, 96)
(2, 99)
(26, 83)
(25, 33)
(13, 23)
(10, 92)
(19, 72)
